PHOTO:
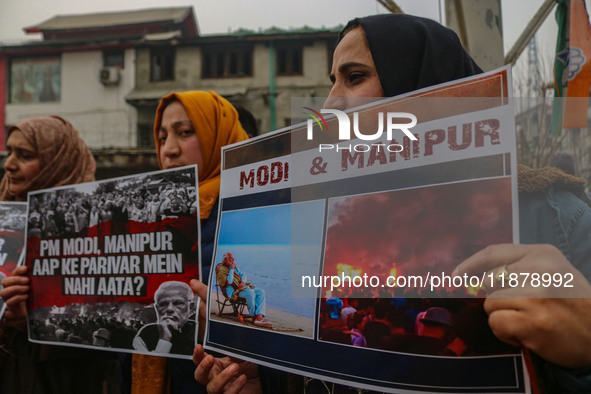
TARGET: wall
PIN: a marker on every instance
(99, 112)
(253, 92)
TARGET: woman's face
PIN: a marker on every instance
(22, 164)
(179, 145)
(353, 73)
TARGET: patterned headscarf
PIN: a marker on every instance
(216, 123)
(64, 157)
(411, 52)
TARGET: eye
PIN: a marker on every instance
(27, 155)
(355, 76)
(161, 138)
(187, 132)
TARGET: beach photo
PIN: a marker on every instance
(261, 256)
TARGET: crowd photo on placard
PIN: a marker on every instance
(71, 212)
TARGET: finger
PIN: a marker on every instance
(223, 379)
(492, 256)
(492, 304)
(202, 310)
(15, 281)
(508, 326)
(524, 290)
(204, 369)
(17, 302)
(198, 354)
(14, 314)
(199, 288)
(236, 385)
(20, 270)
(14, 292)
(13, 318)
(201, 325)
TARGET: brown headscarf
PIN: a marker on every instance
(216, 123)
(64, 157)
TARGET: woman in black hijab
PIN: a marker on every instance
(411, 53)
(387, 55)
(392, 54)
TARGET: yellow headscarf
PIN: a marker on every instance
(216, 123)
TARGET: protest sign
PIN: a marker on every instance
(13, 218)
(110, 262)
(333, 231)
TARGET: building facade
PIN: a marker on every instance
(260, 71)
(106, 73)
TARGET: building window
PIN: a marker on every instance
(289, 60)
(35, 80)
(162, 64)
(227, 62)
(145, 136)
(114, 58)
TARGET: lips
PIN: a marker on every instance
(14, 180)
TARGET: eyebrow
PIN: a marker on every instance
(345, 66)
(21, 149)
(177, 124)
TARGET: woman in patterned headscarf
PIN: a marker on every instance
(44, 152)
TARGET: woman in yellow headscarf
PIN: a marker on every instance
(190, 128)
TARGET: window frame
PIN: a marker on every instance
(166, 60)
(289, 60)
(227, 62)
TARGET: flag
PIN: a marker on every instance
(579, 66)
(560, 64)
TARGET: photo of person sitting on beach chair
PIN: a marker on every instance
(234, 281)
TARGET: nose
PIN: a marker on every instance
(168, 308)
(10, 163)
(171, 146)
(335, 99)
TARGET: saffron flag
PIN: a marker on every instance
(560, 63)
(579, 66)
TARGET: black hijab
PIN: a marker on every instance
(411, 53)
